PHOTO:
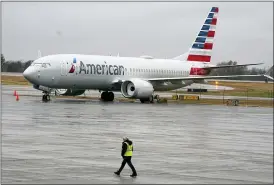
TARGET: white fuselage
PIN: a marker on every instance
(100, 72)
(139, 76)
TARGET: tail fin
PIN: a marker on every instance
(201, 49)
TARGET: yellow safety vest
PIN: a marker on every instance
(129, 150)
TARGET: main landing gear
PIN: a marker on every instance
(45, 97)
(150, 99)
(107, 96)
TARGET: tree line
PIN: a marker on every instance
(19, 66)
(241, 70)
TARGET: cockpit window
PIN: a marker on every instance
(36, 64)
(44, 65)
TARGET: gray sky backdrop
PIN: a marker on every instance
(163, 30)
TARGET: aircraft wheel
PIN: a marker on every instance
(107, 96)
(142, 100)
(110, 96)
(150, 100)
(103, 96)
(45, 98)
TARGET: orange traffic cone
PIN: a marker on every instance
(17, 97)
(14, 93)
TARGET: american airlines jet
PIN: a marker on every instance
(136, 78)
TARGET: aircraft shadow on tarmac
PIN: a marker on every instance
(87, 101)
(95, 101)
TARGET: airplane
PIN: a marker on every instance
(134, 77)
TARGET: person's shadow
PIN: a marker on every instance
(125, 179)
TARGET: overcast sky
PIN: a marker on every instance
(162, 30)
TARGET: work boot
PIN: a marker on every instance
(133, 175)
(117, 173)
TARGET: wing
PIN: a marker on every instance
(117, 82)
(174, 79)
(197, 78)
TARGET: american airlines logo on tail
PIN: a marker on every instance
(201, 49)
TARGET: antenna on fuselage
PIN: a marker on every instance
(39, 54)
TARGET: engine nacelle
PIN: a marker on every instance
(137, 88)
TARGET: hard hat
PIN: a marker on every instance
(125, 138)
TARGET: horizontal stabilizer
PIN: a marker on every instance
(227, 66)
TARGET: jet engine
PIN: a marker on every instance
(137, 88)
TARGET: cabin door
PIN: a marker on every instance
(64, 68)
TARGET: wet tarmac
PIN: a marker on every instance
(30, 91)
(79, 141)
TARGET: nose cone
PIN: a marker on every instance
(29, 74)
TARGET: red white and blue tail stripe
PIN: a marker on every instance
(201, 49)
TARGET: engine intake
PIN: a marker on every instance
(136, 88)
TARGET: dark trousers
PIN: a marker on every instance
(127, 159)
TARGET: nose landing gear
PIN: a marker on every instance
(46, 97)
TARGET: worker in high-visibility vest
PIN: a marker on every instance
(126, 153)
